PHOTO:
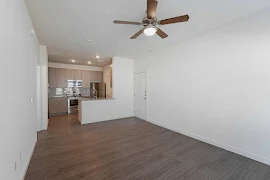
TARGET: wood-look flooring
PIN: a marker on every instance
(132, 149)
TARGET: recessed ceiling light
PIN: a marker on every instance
(97, 56)
(89, 40)
(89, 62)
(73, 61)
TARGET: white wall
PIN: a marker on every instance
(42, 90)
(216, 87)
(44, 87)
(122, 74)
(71, 66)
(18, 128)
(39, 99)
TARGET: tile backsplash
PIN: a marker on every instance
(62, 92)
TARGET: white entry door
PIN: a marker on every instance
(140, 99)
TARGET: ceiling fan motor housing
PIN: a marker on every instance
(146, 21)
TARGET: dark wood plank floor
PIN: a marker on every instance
(132, 149)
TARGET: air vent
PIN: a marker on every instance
(100, 61)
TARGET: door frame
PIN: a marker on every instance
(146, 87)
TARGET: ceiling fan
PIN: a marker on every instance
(150, 22)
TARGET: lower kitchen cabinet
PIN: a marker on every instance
(58, 105)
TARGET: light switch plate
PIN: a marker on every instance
(32, 100)
(32, 32)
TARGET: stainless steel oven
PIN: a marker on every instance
(74, 102)
(72, 105)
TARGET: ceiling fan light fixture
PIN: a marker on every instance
(150, 21)
(150, 30)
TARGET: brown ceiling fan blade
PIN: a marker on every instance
(151, 9)
(174, 20)
(137, 34)
(162, 34)
(126, 22)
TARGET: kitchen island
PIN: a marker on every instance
(92, 110)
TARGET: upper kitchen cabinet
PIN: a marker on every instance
(57, 77)
(93, 76)
(96, 76)
(77, 74)
(74, 74)
(86, 78)
(70, 74)
(51, 77)
(62, 78)
(100, 76)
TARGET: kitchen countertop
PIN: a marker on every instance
(94, 99)
(86, 98)
(69, 97)
(57, 97)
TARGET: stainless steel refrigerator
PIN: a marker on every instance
(97, 89)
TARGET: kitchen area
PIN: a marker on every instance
(68, 85)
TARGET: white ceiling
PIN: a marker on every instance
(64, 25)
(79, 60)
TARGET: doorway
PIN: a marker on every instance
(140, 95)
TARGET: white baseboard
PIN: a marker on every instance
(122, 117)
(29, 160)
(217, 144)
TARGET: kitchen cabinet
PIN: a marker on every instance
(93, 76)
(77, 74)
(83, 73)
(58, 105)
(62, 78)
(100, 76)
(58, 77)
(86, 78)
(51, 77)
(96, 76)
(70, 74)
(74, 74)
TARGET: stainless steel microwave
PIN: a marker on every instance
(74, 83)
